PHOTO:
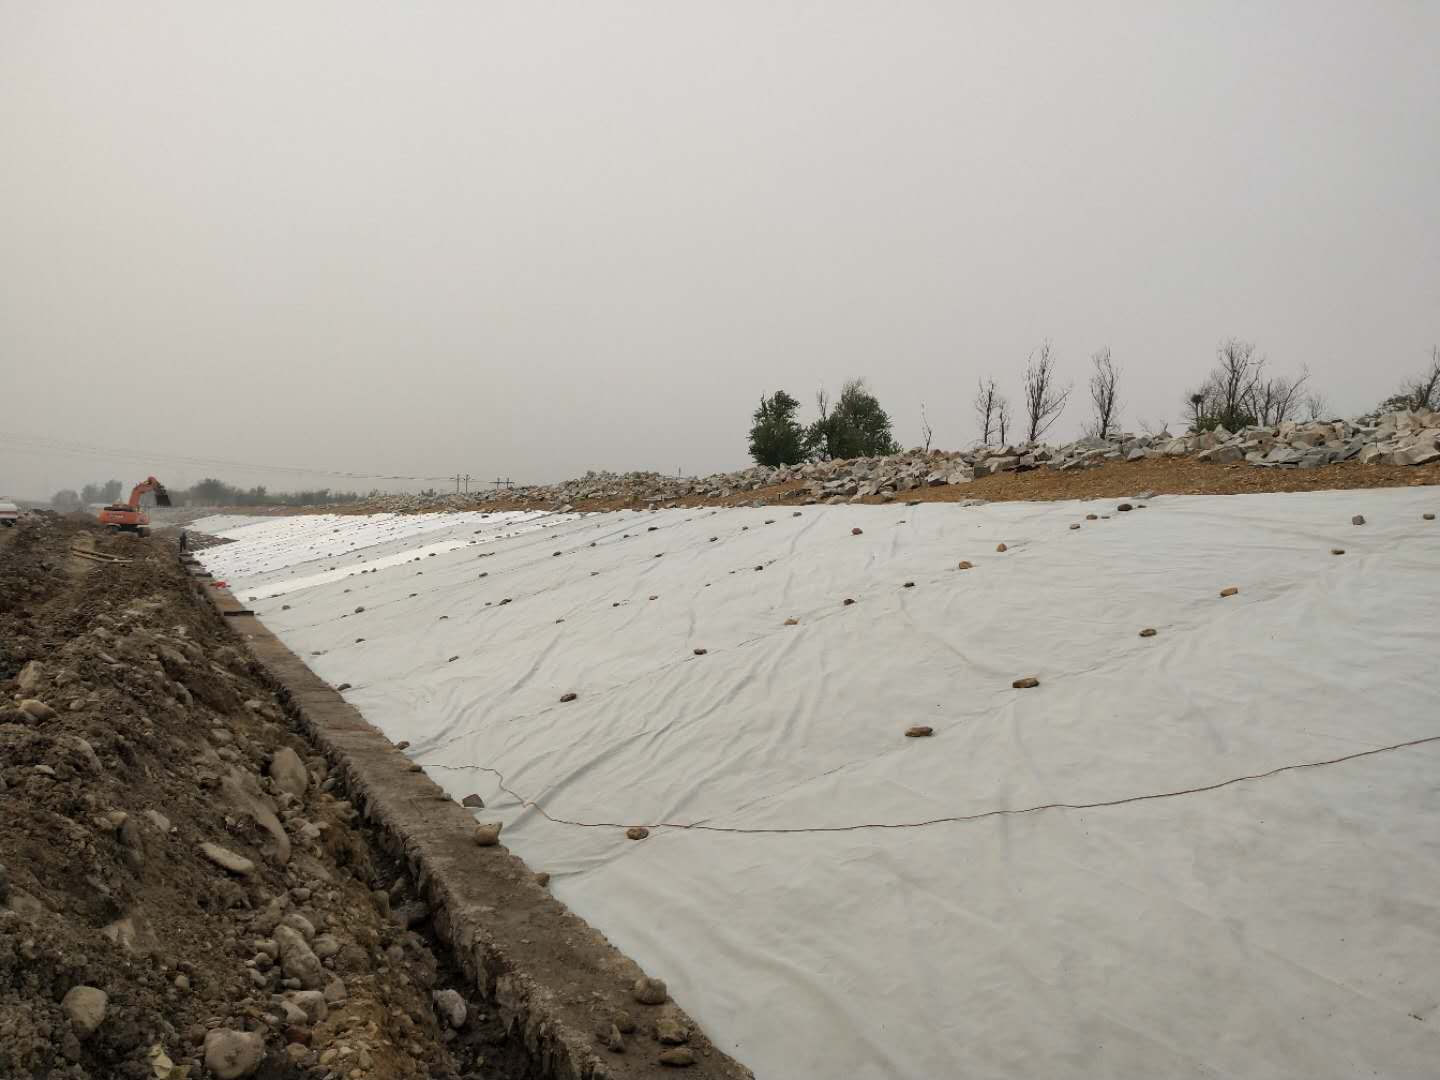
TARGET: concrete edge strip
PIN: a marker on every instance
(555, 981)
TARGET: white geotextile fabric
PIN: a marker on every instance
(1287, 926)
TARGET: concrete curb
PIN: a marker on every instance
(555, 981)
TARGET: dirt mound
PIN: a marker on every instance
(182, 891)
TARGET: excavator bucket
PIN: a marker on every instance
(162, 497)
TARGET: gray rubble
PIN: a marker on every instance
(1398, 438)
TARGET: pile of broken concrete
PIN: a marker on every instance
(1398, 438)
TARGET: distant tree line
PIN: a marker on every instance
(1239, 391)
(208, 492)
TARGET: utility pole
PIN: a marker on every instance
(467, 483)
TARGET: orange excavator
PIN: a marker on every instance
(127, 516)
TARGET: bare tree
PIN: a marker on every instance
(1002, 419)
(925, 428)
(1273, 401)
(1197, 406)
(1233, 382)
(1104, 393)
(1044, 399)
(1421, 393)
(1316, 407)
(987, 406)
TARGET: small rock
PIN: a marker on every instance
(571, 696)
(1092, 517)
(297, 960)
(403, 744)
(30, 677)
(648, 991)
(358, 610)
(1124, 508)
(1337, 551)
(1076, 525)
(474, 802)
(1027, 683)
(636, 832)
(451, 1007)
(542, 878)
(231, 1054)
(1149, 631)
(919, 731)
(488, 834)
(227, 859)
(965, 565)
(1229, 592)
(792, 622)
(85, 1006)
(625, 1022)
(1001, 547)
(288, 773)
(343, 686)
(159, 820)
(701, 652)
(848, 602)
(614, 1041)
(1428, 517)
(1358, 519)
(671, 1032)
(335, 992)
(678, 1057)
(908, 585)
(312, 1004)
(856, 531)
(326, 946)
(36, 709)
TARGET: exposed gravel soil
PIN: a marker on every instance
(1113, 479)
(294, 948)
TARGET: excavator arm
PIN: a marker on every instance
(149, 484)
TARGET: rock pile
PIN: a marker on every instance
(1398, 438)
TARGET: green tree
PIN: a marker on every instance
(856, 427)
(776, 438)
(67, 500)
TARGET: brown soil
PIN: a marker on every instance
(1114, 479)
(157, 712)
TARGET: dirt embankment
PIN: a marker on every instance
(183, 890)
(1113, 479)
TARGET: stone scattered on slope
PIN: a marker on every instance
(230, 1054)
(86, 1007)
(1231, 591)
(636, 832)
(1027, 683)
(288, 773)
(648, 991)
(1149, 631)
(227, 859)
(487, 834)
(919, 731)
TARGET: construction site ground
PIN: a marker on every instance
(152, 852)
(1113, 479)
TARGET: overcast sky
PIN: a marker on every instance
(531, 238)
